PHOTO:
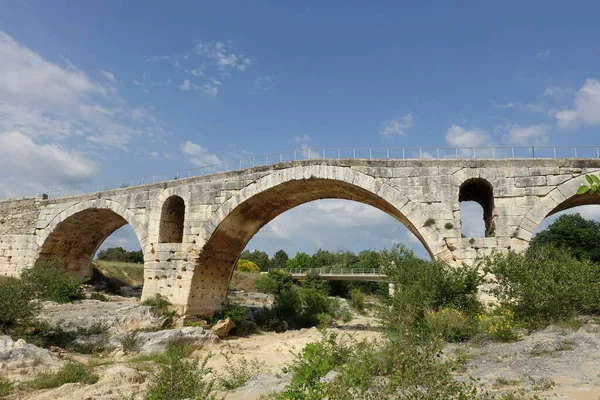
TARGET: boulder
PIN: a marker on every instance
(223, 326)
(20, 361)
(156, 342)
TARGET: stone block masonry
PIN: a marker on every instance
(192, 230)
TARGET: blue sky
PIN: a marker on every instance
(97, 91)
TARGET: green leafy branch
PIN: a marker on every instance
(592, 188)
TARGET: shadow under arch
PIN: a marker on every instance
(226, 234)
(561, 198)
(75, 234)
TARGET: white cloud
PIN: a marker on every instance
(39, 98)
(526, 135)
(197, 72)
(211, 88)
(108, 75)
(457, 136)
(222, 56)
(471, 219)
(398, 126)
(40, 166)
(587, 107)
(186, 85)
(199, 155)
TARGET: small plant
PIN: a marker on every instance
(449, 324)
(448, 225)
(506, 382)
(72, 372)
(346, 315)
(98, 296)
(500, 326)
(177, 379)
(239, 372)
(130, 342)
(472, 241)
(593, 186)
(357, 300)
(160, 308)
(48, 281)
(429, 222)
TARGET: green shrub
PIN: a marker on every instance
(161, 308)
(177, 379)
(357, 300)
(274, 282)
(544, 285)
(48, 281)
(247, 266)
(449, 324)
(239, 372)
(18, 309)
(130, 342)
(346, 315)
(426, 285)
(98, 296)
(237, 314)
(72, 372)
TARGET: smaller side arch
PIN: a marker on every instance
(480, 191)
(75, 233)
(172, 220)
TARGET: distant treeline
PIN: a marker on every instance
(366, 259)
(120, 254)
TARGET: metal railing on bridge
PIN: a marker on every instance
(384, 153)
(332, 271)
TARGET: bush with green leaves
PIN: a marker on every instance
(422, 285)
(130, 342)
(544, 284)
(239, 372)
(357, 300)
(178, 379)
(16, 304)
(450, 324)
(49, 281)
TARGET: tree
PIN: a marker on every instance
(279, 259)
(367, 259)
(258, 257)
(302, 260)
(322, 258)
(247, 266)
(574, 232)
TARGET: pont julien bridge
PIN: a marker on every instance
(193, 228)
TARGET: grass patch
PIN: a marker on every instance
(130, 274)
(239, 372)
(566, 345)
(72, 372)
(5, 387)
(506, 382)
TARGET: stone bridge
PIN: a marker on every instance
(192, 230)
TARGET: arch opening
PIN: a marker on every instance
(216, 262)
(172, 219)
(481, 192)
(75, 240)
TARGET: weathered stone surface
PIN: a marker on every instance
(192, 230)
(20, 361)
(222, 327)
(155, 342)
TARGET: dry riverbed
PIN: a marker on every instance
(556, 362)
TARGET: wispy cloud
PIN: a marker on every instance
(398, 126)
(108, 75)
(266, 82)
(543, 54)
(186, 85)
(457, 136)
(524, 135)
(222, 56)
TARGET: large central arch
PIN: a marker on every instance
(75, 234)
(225, 235)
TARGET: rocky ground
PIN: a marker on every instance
(556, 362)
